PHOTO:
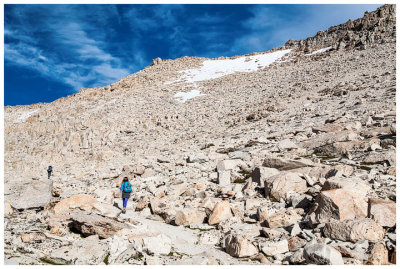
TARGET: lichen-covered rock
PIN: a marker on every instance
(339, 204)
(283, 219)
(279, 186)
(379, 255)
(286, 164)
(239, 246)
(382, 211)
(92, 224)
(354, 230)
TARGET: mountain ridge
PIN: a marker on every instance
(271, 157)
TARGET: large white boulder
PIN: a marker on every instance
(322, 254)
(155, 245)
(32, 194)
(281, 185)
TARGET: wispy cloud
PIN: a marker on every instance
(73, 57)
(93, 45)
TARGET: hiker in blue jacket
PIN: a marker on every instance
(126, 189)
(49, 171)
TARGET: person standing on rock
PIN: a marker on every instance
(126, 189)
(49, 171)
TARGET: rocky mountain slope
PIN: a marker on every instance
(282, 157)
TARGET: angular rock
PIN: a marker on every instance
(197, 158)
(238, 209)
(230, 165)
(224, 178)
(106, 210)
(138, 169)
(286, 144)
(189, 216)
(354, 230)
(328, 139)
(374, 157)
(271, 248)
(221, 212)
(339, 204)
(322, 254)
(245, 156)
(327, 128)
(259, 174)
(295, 230)
(263, 214)
(210, 237)
(273, 233)
(279, 186)
(160, 244)
(8, 209)
(297, 257)
(287, 164)
(33, 194)
(83, 201)
(159, 205)
(295, 243)
(355, 186)
(117, 246)
(300, 200)
(283, 219)
(105, 195)
(32, 237)
(250, 230)
(238, 246)
(379, 255)
(382, 211)
(92, 224)
(87, 251)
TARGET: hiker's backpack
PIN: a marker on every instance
(50, 168)
(127, 187)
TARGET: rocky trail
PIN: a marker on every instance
(284, 157)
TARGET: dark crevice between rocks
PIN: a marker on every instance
(73, 229)
(48, 261)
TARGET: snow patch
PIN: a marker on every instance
(318, 51)
(217, 68)
(182, 97)
(26, 116)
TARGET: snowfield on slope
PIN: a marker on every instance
(182, 97)
(218, 68)
(318, 51)
(26, 116)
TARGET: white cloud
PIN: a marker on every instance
(88, 65)
(113, 73)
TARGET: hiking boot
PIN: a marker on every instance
(123, 211)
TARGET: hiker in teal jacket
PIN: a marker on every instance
(126, 189)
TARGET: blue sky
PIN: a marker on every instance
(51, 51)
